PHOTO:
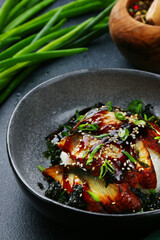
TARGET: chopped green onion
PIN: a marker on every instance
(40, 168)
(109, 106)
(157, 138)
(120, 116)
(88, 127)
(95, 150)
(145, 165)
(139, 122)
(94, 196)
(102, 135)
(129, 156)
(85, 154)
(106, 166)
(123, 133)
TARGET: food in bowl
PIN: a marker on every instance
(106, 159)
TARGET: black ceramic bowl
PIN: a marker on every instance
(52, 103)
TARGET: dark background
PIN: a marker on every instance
(18, 218)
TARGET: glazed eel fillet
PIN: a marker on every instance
(110, 154)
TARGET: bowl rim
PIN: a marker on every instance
(15, 169)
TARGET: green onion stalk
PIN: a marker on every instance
(41, 38)
(69, 10)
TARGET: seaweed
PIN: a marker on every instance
(53, 153)
(149, 201)
(57, 193)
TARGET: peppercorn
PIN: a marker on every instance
(139, 10)
(136, 7)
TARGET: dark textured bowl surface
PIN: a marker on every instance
(52, 103)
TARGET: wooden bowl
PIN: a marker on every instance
(138, 42)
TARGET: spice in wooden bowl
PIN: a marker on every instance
(139, 9)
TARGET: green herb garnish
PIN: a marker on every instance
(78, 116)
(94, 196)
(95, 150)
(88, 127)
(120, 116)
(150, 119)
(129, 156)
(66, 131)
(102, 135)
(152, 191)
(135, 107)
(40, 168)
(123, 134)
(106, 167)
(109, 106)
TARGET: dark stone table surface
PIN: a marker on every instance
(19, 220)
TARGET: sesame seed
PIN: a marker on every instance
(140, 169)
(113, 203)
(57, 172)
